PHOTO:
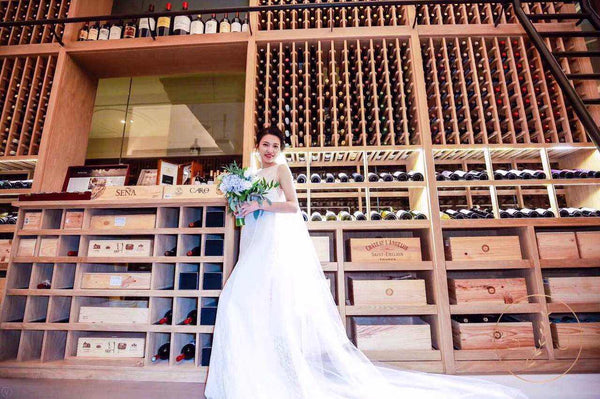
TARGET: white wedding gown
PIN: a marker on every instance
(278, 333)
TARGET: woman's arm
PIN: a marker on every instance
(286, 183)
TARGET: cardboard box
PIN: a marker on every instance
(389, 292)
(385, 250)
(126, 281)
(110, 347)
(496, 290)
(483, 248)
(125, 247)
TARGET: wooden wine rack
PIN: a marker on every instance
(40, 327)
(355, 90)
(27, 10)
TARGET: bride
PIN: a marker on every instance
(278, 333)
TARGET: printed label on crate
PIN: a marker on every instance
(385, 249)
(128, 192)
(110, 347)
(192, 191)
(120, 247)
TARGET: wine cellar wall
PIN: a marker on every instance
(427, 126)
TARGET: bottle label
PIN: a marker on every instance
(225, 27)
(211, 26)
(129, 32)
(164, 22)
(245, 28)
(83, 35)
(236, 27)
(147, 23)
(115, 32)
(103, 34)
(197, 28)
(182, 22)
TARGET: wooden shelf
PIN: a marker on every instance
(389, 310)
(113, 292)
(341, 186)
(118, 231)
(486, 308)
(369, 225)
(576, 307)
(8, 228)
(537, 222)
(488, 264)
(116, 259)
(516, 182)
(203, 329)
(497, 354)
(381, 266)
(403, 355)
(568, 263)
(329, 266)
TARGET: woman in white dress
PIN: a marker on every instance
(278, 333)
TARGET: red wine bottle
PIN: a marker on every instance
(167, 318)
(187, 352)
(191, 318)
(44, 285)
(171, 252)
(71, 253)
(164, 23)
(197, 223)
(162, 353)
(194, 251)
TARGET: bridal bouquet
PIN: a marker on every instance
(239, 185)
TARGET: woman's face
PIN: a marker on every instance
(268, 148)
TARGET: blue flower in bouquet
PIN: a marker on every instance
(234, 184)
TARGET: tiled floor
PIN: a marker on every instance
(576, 386)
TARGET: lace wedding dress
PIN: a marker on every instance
(278, 333)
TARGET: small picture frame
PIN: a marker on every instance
(92, 177)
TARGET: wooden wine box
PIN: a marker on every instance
(48, 246)
(73, 220)
(393, 249)
(128, 281)
(572, 289)
(117, 312)
(483, 248)
(120, 247)
(502, 335)
(588, 243)
(391, 333)
(110, 347)
(399, 292)
(5, 246)
(26, 247)
(32, 220)
(322, 246)
(143, 221)
(497, 290)
(561, 245)
(572, 336)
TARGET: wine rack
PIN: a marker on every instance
(47, 292)
(25, 85)
(339, 17)
(32, 10)
(353, 93)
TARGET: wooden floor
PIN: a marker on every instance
(572, 386)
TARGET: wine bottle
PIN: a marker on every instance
(129, 30)
(417, 215)
(358, 215)
(403, 215)
(468, 214)
(562, 174)
(544, 213)
(44, 285)
(345, 216)
(529, 213)
(182, 23)
(236, 24)
(93, 32)
(197, 25)
(147, 25)
(301, 179)
(400, 175)
(458, 175)
(343, 177)
(167, 318)
(330, 216)
(104, 31)
(315, 178)
(514, 213)
(162, 353)
(329, 178)
(535, 174)
(385, 176)
(83, 33)
(375, 215)
(372, 177)
(225, 26)
(164, 23)
(589, 212)
(502, 174)
(415, 176)
(246, 24)
(72, 253)
(212, 25)
(171, 252)
(191, 317)
(454, 214)
(388, 215)
(521, 174)
(196, 223)
(194, 251)
(357, 177)
(187, 352)
(316, 217)
(116, 30)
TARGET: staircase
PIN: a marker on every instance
(583, 100)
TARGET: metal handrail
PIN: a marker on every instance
(563, 82)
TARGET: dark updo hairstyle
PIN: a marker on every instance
(275, 131)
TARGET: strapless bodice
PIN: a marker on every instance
(270, 174)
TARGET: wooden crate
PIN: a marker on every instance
(588, 243)
(110, 347)
(48, 246)
(32, 220)
(73, 220)
(573, 289)
(401, 292)
(393, 249)
(130, 281)
(557, 245)
(498, 290)
(143, 221)
(322, 246)
(572, 336)
(5, 246)
(26, 247)
(109, 313)
(393, 333)
(483, 248)
(124, 247)
(493, 335)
